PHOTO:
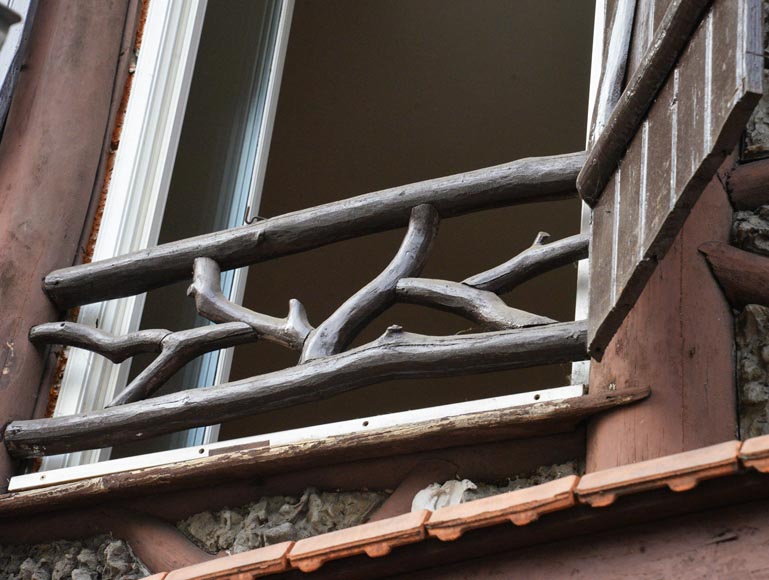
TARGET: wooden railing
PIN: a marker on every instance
(510, 338)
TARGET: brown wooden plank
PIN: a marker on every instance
(630, 216)
(643, 31)
(703, 120)
(673, 340)
(661, 139)
(660, 7)
(680, 21)
(525, 422)
(693, 89)
(659, 183)
(602, 254)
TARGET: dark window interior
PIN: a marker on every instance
(378, 94)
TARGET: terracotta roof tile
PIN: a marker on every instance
(520, 507)
(375, 539)
(243, 566)
(755, 453)
(680, 472)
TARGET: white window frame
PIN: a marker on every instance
(131, 221)
(137, 195)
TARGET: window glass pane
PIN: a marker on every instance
(212, 175)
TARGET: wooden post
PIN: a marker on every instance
(50, 157)
(678, 341)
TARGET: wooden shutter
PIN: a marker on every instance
(683, 109)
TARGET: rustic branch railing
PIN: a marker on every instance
(396, 355)
(523, 181)
(325, 368)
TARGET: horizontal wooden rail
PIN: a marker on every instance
(397, 355)
(523, 181)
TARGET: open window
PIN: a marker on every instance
(471, 133)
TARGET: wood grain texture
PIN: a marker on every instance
(670, 39)
(526, 422)
(538, 259)
(677, 148)
(395, 355)
(748, 184)
(179, 348)
(67, 86)
(643, 33)
(743, 276)
(206, 288)
(244, 475)
(338, 330)
(677, 340)
(485, 308)
(523, 181)
(615, 62)
(115, 348)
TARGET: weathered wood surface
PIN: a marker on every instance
(615, 64)
(677, 339)
(692, 125)
(339, 329)
(523, 181)
(485, 308)
(239, 325)
(211, 303)
(179, 348)
(68, 86)
(526, 422)
(115, 348)
(747, 184)
(743, 276)
(394, 356)
(541, 257)
(670, 40)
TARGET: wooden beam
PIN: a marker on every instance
(396, 355)
(523, 181)
(672, 36)
(748, 184)
(743, 276)
(525, 422)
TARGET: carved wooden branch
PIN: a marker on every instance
(532, 262)
(213, 305)
(522, 181)
(179, 348)
(382, 360)
(346, 322)
(176, 348)
(115, 348)
(485, 308)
